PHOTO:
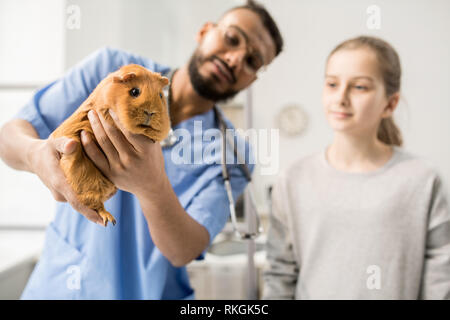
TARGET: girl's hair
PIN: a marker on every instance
(390, 69)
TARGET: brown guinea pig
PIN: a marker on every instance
(135, 94)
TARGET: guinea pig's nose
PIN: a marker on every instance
(148, 117)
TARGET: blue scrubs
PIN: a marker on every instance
(82, 260)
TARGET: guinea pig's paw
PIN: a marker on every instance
(106, 216)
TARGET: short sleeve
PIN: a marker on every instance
(55, 102)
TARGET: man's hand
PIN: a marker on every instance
(133, 162)
(44, 159)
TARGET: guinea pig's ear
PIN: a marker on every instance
(126, 77)
(164, 81)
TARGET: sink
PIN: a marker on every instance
(223, 274)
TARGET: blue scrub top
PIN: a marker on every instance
(82, 260)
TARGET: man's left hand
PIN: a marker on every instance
(133, 162)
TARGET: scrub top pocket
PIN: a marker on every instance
(58, 274)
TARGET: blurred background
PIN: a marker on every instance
(41, 39)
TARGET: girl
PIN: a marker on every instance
(363, 219)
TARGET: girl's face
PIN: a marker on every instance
(354, 96)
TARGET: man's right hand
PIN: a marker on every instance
(43, 160)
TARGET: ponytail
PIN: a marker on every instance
(389, 133)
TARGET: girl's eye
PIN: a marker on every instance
(135, 92)
(361, 87)
(331, 84)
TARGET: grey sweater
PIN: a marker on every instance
(378, 235)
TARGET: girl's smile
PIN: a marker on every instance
(340, 115)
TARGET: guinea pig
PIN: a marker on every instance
(136, 96)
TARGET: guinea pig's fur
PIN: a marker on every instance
(145, 114)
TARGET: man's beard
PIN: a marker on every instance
(202, 86)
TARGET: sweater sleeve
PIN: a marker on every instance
(282, 271)
(436, 274)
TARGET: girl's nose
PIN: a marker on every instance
(343, 96)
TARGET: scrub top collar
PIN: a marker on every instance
(171, 138)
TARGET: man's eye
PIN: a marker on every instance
(254, 62)
(135, 92)
(232, 40)
(331, 84)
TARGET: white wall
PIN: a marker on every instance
(31, 52)
(162, 30)
(31, 40)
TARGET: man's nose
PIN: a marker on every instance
(235, 59)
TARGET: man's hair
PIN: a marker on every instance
(267, 21)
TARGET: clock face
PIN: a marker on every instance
(292, 120)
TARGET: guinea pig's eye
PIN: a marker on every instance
(160, 95)
(135, 92)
